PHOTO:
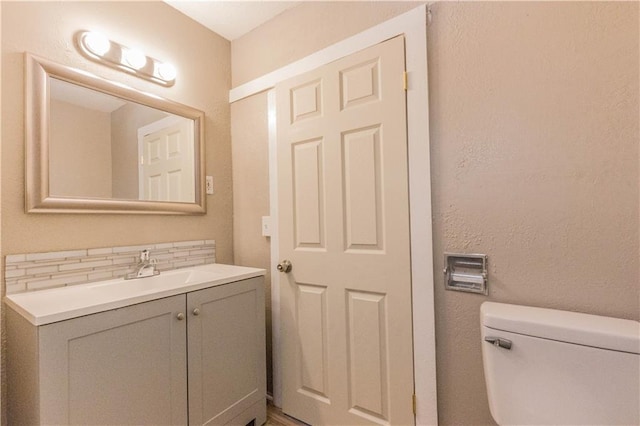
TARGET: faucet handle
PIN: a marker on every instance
(144, 255)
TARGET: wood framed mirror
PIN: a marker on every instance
(97, 146)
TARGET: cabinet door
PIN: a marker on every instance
(226, 349)
(121, 367)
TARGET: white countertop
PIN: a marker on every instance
(63, 303)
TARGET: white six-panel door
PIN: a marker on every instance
(343, 207)
(166, 161)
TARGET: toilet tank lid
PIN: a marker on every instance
(572, 327)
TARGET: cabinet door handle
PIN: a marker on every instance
(180, 316)
(196, 312)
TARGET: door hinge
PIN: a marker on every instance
(405, 80)
(414, 403)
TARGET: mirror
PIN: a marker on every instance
(95, 146)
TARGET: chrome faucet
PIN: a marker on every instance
(146, 267)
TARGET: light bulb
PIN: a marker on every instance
(166, 72)
(133, 58)
(96, 43)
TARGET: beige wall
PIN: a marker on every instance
(2, 333)
(79, 151)
(534, 127)
(251, 194)
(202, 60)
(125, 122)
(303, 30)
(534, 120)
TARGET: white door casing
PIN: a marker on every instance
(344, 224)
(166, 161)
(413, 25)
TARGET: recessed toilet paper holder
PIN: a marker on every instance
(466, 272)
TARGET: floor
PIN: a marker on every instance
(275, 417)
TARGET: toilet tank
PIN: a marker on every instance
(563, 368)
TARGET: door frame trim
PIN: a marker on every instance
(413, 25)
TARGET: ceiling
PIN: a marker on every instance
(83, 97)
(231, 18)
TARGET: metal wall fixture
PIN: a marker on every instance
(466, 272)
(99, 48)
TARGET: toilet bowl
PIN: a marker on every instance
(545, 366)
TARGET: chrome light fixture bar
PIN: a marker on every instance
(99, 48)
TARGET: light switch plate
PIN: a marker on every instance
(266, 226)
(209, 187)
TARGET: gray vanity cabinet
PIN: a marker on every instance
(125, 366)
(137, 364)
(226, 347)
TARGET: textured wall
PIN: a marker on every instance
(534, 132)
(303, 30)
(251, 194)
(203, 62)
(3, 419)
(534, 122)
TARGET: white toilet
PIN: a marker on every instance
(544, 366)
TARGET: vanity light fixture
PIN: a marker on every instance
(99, 48)
(134, 58)
(165, 71)
(97, 43)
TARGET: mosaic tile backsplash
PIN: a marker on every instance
(37, 271)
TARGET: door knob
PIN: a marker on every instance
(196, 312)
(284, 266)
(180, 316)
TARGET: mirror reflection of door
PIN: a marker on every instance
(96, 148)
(166, 155)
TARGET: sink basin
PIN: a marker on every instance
(58, 304)
(153, 283)
(168, 279)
